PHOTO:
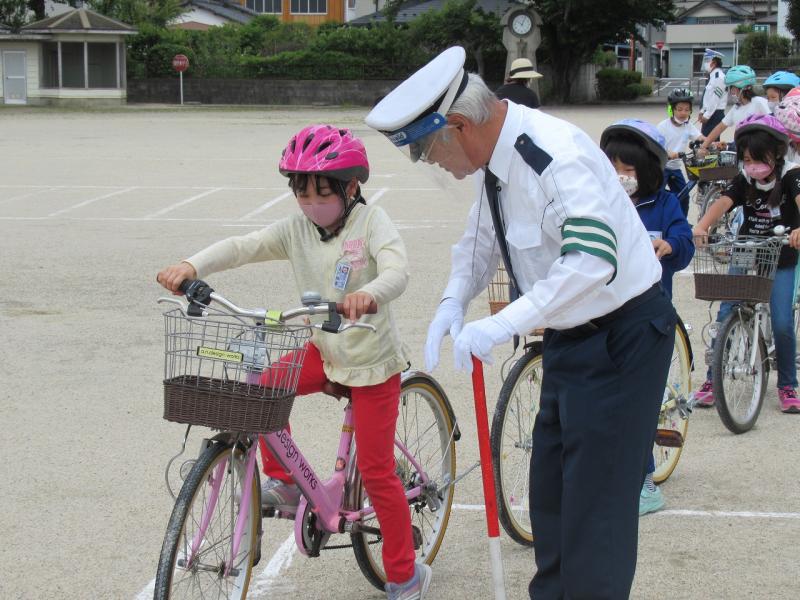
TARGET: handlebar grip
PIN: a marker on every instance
(371, 309)
(184, 286)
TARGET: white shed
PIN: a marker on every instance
(74, 57)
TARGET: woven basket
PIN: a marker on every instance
(225, 405)
(742, 288)
(718, 173)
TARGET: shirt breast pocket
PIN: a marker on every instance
(523, 236)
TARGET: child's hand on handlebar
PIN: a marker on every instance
(357, 304)
(794, 239)
(172, 277)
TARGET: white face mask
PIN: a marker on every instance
(629, 184)
(772, 106)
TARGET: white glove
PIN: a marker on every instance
(449, 318)
(478, 338)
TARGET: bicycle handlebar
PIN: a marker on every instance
(200, 295)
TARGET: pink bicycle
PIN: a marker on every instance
(215, 357)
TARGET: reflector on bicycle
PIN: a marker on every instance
(669, 438)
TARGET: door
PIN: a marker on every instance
(15, 82)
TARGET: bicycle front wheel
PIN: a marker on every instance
(426, 428)
(679, 387)
(512, 444)
(198, 544)
(739, 380)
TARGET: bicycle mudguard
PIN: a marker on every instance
(426, 378)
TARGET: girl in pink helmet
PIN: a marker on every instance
(352, 253)
(768, 189)
(788, 113)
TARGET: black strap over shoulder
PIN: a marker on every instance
(493, 199)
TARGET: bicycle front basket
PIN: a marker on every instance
(736, 269)
(224, 373)
(499, 291)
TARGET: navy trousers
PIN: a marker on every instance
(715, 120)
(592, 441)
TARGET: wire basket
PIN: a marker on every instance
(224, 373)
(737, 269)
(499, 291)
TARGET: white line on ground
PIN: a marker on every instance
(377, 195)
(265, 206)
(280, 561)
(28, 195)
(726, 514)
(172, 207)
(147, 591)
(90, 201)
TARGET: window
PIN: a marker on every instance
(50, 65)
(272, 7)
(102, 65)
(83, 65)
(351, 4)
(72, 65)
(309, 6)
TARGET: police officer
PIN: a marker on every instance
(585, 269)
(715, 96)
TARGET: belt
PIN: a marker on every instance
(593, 325)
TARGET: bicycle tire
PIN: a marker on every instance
(511, 441)
(731, 359)
(367, 547)
(203, 576)
(679, 387)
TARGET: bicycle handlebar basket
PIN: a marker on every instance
(225, 373)
(499, 291)
(737, 269)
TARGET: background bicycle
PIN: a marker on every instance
(740, 349)
(214, 361)
(518, 404)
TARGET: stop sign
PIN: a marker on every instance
(659, 45)
(180, 62)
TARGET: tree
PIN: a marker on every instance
(758, 45)
(459, 22)
(573, 29)
(13, 14)
(139, 12)
(793, 18)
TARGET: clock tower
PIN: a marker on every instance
(522, 36)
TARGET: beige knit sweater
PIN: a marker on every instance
(373, 249)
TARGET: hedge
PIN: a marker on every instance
(620, 84)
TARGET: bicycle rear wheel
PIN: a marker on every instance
(679, 387)
(512, 444)
(739, 388)
(426, 427)
(204, 576)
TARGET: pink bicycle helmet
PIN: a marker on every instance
(766, 123)
(325, 150)
(793, 92)
(788, 113)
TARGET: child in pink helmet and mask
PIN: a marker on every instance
(352, 253)
(768, 189)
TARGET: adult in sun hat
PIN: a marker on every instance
(517, 85)
(584, 267)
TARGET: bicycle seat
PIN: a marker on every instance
(337, 390)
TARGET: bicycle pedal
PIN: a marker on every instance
(669, 438)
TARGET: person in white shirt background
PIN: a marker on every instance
(740, 81)
(678, 131)
(715, 96)
(584, 266)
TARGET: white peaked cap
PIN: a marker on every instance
(433, 88)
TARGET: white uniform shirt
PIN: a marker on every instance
(562, 287)
(738, 112)
(677, 138)
(715, 96)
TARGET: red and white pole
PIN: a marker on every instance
(487, 475)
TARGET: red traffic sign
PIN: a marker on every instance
(659, 45)
(180, 62)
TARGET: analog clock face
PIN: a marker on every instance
(521, 24)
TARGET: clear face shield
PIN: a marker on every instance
(433, 141)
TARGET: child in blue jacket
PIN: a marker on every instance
(638, 153)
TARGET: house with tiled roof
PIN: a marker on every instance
(76, 56)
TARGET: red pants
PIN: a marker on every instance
(375, 418)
